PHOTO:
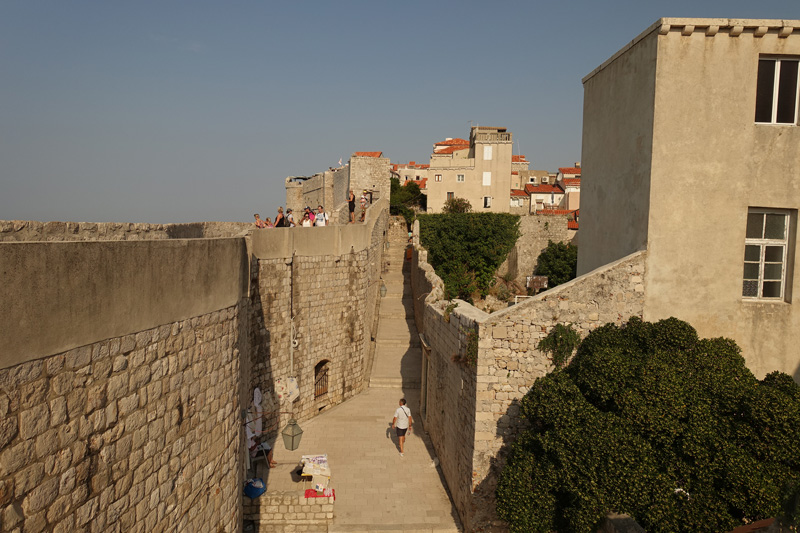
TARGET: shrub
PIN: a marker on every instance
(403, 197)
(652, 421)
(466, 249)
(560, 343)
(457, 205)
(559, 262)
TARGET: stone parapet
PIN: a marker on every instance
(31, 230)
(290, 511)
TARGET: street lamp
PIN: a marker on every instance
(291, 435)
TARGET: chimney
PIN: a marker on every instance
(577, 164)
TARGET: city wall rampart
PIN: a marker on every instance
(478, 367)
(61, 295)
(313, 296)
(535, 232)
(126, 365)
(32, 230)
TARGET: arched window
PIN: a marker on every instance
(321, 378)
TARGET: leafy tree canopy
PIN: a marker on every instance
(466, 249)
(403, 197)
(559, 262)
(651, 421)
(457, 205)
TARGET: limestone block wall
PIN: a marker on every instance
(371, 173)
(324, 297)
(535, 232)
(32, 230)
(279, 512)
(132, 433)
(509, 363)
(474, 408)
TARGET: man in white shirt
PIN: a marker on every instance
(322, 217)
(402, 422)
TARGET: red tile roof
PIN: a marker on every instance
(518, 192)
(451, 149)
(514, 173)
(572, 224)
(544, 188)
(572, 182)
(423, 183)
(518, 159)
(570, 170)
(399, 166)
(368, 154)
(453, 142)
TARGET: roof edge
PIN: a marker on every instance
(709, 25)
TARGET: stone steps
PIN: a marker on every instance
(394, 383)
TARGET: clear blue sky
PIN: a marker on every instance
(175, 111)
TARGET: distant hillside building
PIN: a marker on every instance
(478, 169)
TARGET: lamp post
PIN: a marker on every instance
(291, 435)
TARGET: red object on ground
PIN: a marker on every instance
(311, 493)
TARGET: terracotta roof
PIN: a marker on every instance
(514, 173)
(572, 224)
(422, 183)
(572, 182)
(544, 188)
(518, 192)
(453, 142)
(570, 170)
(368, 154)
(398, 166)
(451, 149)
(518, 159)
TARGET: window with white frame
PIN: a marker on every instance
(487, 153)
(777, 90)
(487, 179)
(487, 202)
(460, 178)
(765, 253)
(437, 177)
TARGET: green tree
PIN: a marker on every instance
(466, 249)
(402, 198)
(559, 262)
(457, 205)
(651, 421)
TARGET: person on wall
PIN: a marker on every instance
(402, 423)
(321, 219)
(260, 224)
(351, 204)
(280, 221)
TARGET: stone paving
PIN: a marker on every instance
(376, 489)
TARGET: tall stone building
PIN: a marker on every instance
(691, 151)
(479, 170)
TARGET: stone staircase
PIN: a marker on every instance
(398, 355)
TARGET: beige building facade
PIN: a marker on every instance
(691, 150)
(479, 171)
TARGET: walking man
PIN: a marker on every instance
(402, 422)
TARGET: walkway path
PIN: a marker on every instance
(376, 489)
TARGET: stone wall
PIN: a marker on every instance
(372, 174)
(473, 407)
(509, 363)
(323, 296)
(279, 512)
(31, 230)
(132, 433)
(535, 232)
